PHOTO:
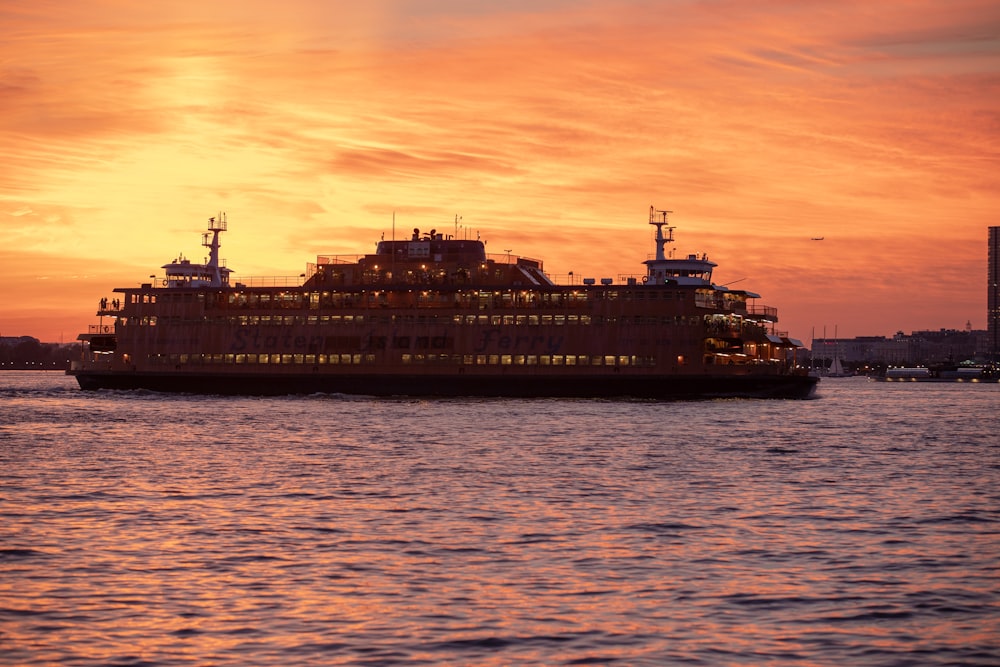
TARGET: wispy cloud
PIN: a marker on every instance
(552, 124)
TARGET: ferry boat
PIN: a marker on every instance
(943, 372)
(435, 315)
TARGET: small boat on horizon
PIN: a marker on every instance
(836, 369)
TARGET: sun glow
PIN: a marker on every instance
(549, 130)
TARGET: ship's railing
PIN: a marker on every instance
(339, 259)
(504, 258)
(631, 278)
(565, 278)
(270, 281)
(497, 258)
(765, 312)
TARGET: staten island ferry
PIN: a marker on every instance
(435, 315)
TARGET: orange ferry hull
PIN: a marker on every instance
(677, 387)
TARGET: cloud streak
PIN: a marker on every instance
(547, 125)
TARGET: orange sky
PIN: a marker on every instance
(550, 126)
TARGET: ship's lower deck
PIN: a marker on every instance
(665, 344)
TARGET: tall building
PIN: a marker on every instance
(993, 295)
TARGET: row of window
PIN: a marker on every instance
(312, 359)
(479, 320)
(530, 359)
(472, 298)
(409, 359)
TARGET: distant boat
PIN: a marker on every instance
(837, 369)
(946, 372)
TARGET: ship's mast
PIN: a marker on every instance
(659, 218)
(694, 270)
(215, 226)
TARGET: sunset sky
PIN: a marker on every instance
(549, 126)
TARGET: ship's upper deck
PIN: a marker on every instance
(182, 272)
(433, 247)
(443, 261)
(447, 271)
(427, 259)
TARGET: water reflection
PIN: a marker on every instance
(143, 528)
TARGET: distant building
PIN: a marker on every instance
(27, 353)
(917, 348)
(993, 295)
(925, 347)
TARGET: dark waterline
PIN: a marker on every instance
(141, 528)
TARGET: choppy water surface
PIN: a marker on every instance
(862, 528)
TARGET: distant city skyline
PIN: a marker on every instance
(832, 158)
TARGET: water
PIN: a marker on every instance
(862, 528)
